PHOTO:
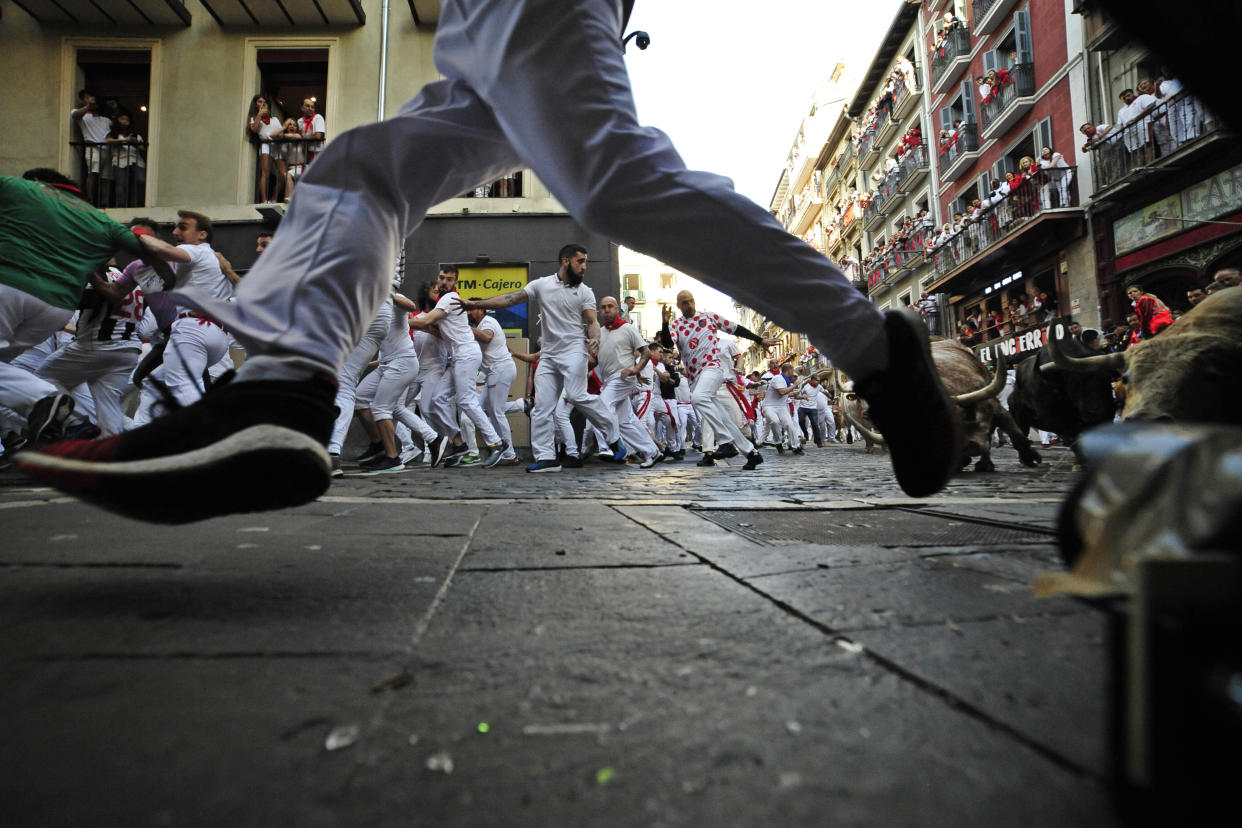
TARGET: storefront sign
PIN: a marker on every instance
(1016, 346)
(484, 282)
(1216, 196)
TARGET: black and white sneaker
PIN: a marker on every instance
(540, 466)
(374, 450)
(453, 454)
(243, 447)
(572, 461)
(337, 471)
(46, 421)
(752, 461)
(648, 461)
(382, 464)
(435, 450)
(706, 459)
(725, 450)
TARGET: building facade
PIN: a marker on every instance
(186, 74)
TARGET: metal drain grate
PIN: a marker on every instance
(876, 527)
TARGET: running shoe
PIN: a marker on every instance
(752, 461)
(497, 452)
(374, 450)
(382, 465)
(706, 460)
(337, 471)
(912, 410)
(618, 450)
(725, 450)
(540, 466)
(572, 461)
(243, 447)
(46, 421)
(649, 461)
(435, 450)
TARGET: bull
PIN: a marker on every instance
(1065, 403)
(975, 392)
(1191, 372)
(854, 413)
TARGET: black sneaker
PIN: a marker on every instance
(336, 465)
(435, 450)
(680, 454)
(619, 450)
(544, 466)
(725, 450)
(798, 451)
(780, 448)
(706, 460)
(752, 461)
(383, 464)
(46, 421)
(911, 409)
(373, 451)
(452, 454)
(243, 447)
(570, 461)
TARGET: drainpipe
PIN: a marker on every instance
(383, 69)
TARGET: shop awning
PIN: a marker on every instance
(128, 13)
(286, 14)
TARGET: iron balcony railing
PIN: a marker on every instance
(1171, 125)
(1050, 189)
(955, 45)
(965, 141)
(897, 261)
(913, 160)
(1020, 84)
(112, 173)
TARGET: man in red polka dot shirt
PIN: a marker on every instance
(695, 336)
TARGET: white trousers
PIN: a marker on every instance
(495, 400)
(464, 371)
(712, 414)
(24, 321)
(511, 81)
(557, 374)
(363, 352)
(193, 346)
(782, 424)
(616, 395)
(105, 370)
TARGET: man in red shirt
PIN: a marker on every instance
(1152, 314)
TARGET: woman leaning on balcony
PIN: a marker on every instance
(1058, 178)
(262, 128)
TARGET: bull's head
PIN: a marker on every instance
(849, 398)
(988, 391)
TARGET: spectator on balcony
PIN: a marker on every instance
(130, 170)
(1131, 119)
(94, 126)
(1184, 114)
(1095, 135)
(984, 88)
(950, 23)
(264, 129)
(1152, 314)
(1159, 120)
(998, 79)
(1056, 180)
(890, 166)
(304, 140)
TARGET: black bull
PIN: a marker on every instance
(1063, 402)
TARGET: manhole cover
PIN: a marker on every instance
(875, 527)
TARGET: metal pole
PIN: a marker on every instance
(383, 68)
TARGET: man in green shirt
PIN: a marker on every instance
(51, 241)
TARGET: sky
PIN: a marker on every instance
(730, 81)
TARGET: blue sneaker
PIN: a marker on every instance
(544, 466)
(619, 451)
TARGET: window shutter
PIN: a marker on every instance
(968, 101)
(990, 61)
(946, 117)
(1043, 135)
(1022, 35)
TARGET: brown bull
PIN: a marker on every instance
(1191, 372)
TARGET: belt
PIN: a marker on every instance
(203, 319)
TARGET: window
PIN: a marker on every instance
(120, 80)
(667, 281)
(631, 282)
(288, 77)
(1014, 47)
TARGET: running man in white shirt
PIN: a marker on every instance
(622, 356)
(776, 410)
(570, 330)
(695, 336)
(500, 370)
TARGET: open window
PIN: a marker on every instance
(110, 146)
(287, 79)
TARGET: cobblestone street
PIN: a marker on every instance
(800, 645)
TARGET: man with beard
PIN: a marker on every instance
(570, 331)
(507, 74)
(622, 356)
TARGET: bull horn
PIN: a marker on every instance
(988, 391)
(1062, 360)
(862, 429)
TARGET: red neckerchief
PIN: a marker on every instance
(614, 324)
(267, 119)
(69, 188)
(308, 125)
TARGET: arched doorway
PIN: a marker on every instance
(1169, 284)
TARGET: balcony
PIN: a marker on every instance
(844, 162)
(950, 60)
(912, 170)
(874, 212)
(1153, 145)
(895, 264)
(905, 100)
(806, 211)
(959, 153)
(847, 218)
(1047, 192)
(988, 15)
(112, 173)
(886, 127)
(867, 144)
(1010, 102)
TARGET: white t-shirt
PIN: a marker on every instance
(430, 348)
(616, 352)
(773, 398)
(455, 326)
(496, 352)
(812, 393)
(696, 339)
(95, 127)
(396, 342)
(560, 313)
(202, 272)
